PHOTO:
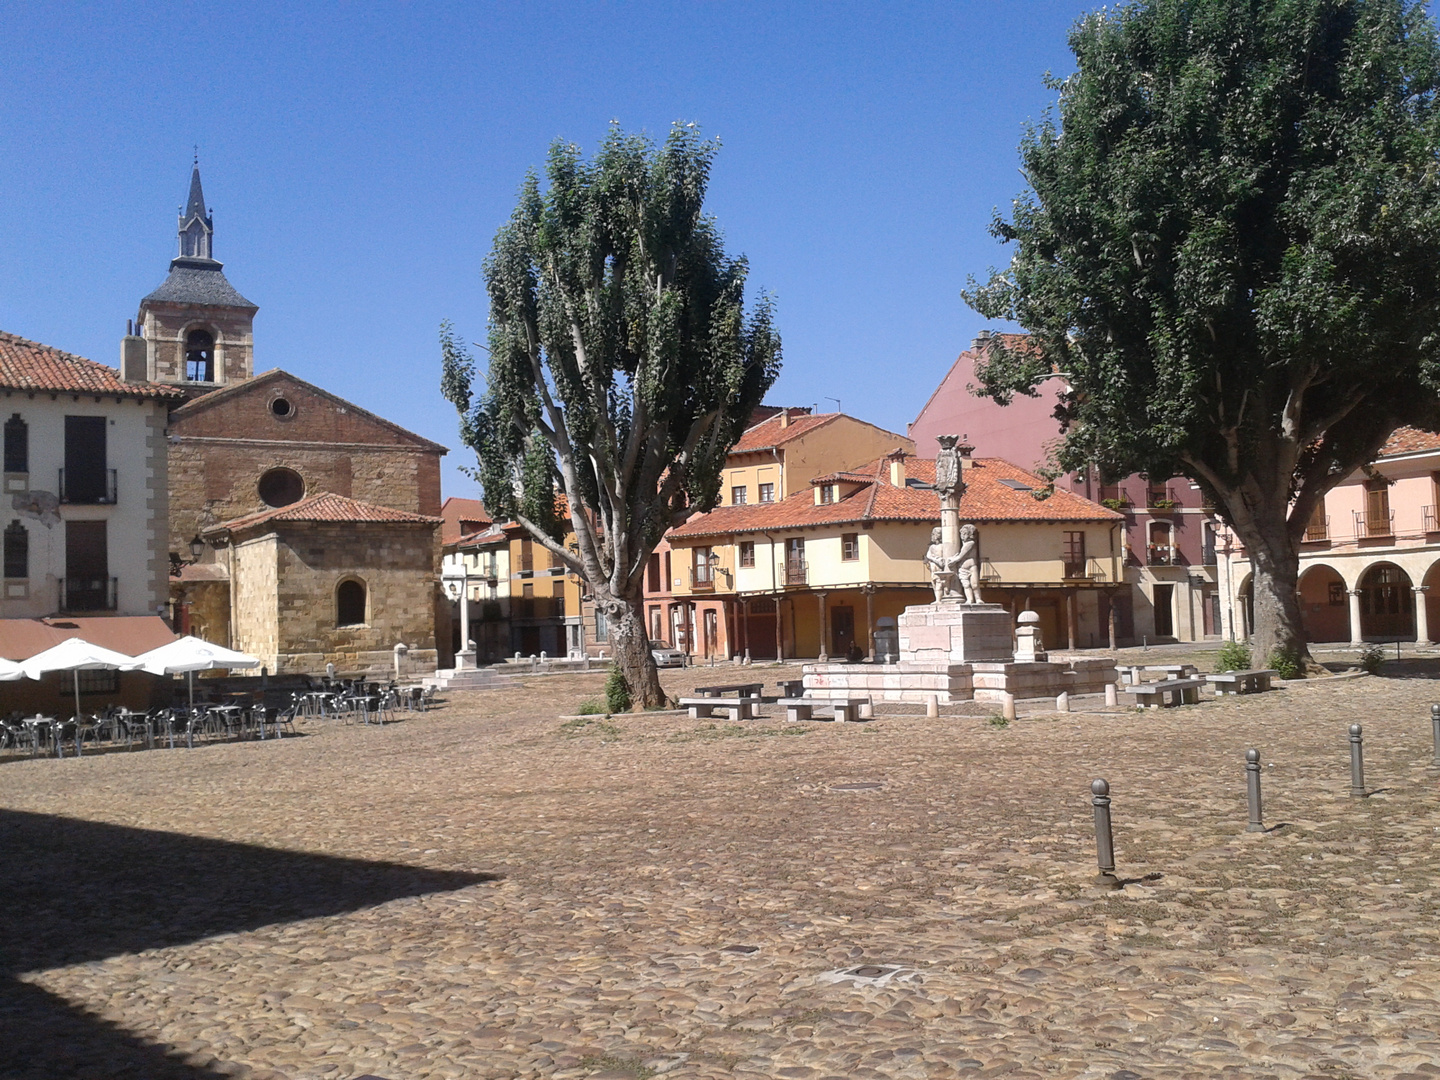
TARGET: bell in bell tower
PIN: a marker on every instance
(195, 330)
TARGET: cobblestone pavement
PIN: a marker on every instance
(487, 890)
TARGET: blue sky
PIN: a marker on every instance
(359, 159)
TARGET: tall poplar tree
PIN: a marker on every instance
(623, 366)
(1230, 246)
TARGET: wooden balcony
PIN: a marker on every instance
(797, 573)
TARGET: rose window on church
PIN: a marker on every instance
(281, 487)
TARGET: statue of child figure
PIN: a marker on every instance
(942, 570)
(967, 563)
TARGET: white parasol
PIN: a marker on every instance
(77, 655)
(10, 671)
(190, 654)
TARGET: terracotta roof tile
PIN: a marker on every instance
(28, 365)
(1407, 440)
(769, 433)
(987, 498)
(325, 506)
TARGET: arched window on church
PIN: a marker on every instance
(200, 356)
(350, 603)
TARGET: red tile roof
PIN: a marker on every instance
(325, 506)
(457, 513)
(1407, 440)
(986, 499)
(28, 365)
(131, 635)
(769, 433)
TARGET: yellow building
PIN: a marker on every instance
(809, 575)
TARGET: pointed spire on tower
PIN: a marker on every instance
(197, 230)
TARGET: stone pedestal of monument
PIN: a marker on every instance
(955, 633)
(957, 652)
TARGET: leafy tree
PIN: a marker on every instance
(623, 365)
(1230, 247)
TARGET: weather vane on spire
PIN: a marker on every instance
(197, 154)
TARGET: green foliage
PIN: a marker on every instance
(623, 362)
(1233, 656)
(997, 720)
(593, 707)
(1286, 663)
(1371, 657)
(1232, 254)
(1114, 504)
(617, 691)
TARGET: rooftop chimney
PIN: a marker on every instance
(965, 449)
(897, 468)
(784, 418)
(982, 339)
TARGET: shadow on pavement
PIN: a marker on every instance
(78, 891)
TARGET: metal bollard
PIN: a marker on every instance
(1104, 839)
(1434, 766)
(1357, 762)
(1252, 790)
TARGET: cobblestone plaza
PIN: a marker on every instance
(491, 890)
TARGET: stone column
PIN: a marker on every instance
(1110, 599)
(1422, 617)
(870, 620)
(465, 658)
(744, 628)
(1355, 638)
(1072, 617)
(820, 596)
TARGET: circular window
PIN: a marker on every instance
(281, 487)
(281, 408)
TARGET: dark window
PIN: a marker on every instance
(87, 566)
(850, 546)
(99, 681)
(85, 473)
(747, 552)
(602, 626)
(17, 551)
(557, 596)
(527, 555)
(281, 487)
(1074, 554)
(1377, 508)
(282, 408)
(350, 604)
(652, 573)
(199, 356)
(17, 445)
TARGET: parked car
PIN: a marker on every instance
(667, 657)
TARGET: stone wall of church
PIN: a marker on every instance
(397, 564)
(214, 481)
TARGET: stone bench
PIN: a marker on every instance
(1254, 681)
(1132, 674)
(742, 708)
(840, 709)
(1170, 692)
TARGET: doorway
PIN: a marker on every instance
(1164, 597)
(842, 630)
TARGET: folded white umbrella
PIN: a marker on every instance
(190, 654)
(77, 655)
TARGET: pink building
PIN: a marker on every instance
(1370, 561)
(1170, 550)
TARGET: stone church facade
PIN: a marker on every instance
(303, 529)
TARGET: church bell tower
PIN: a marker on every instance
(195, 330)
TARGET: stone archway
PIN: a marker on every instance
(1387, 604)
(1243, 622)
(1430, 594)
(1324, 604)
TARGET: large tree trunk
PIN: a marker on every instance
(1275, 562)
(632, 653)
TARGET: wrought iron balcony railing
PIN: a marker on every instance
(89, 594)
(797, 573)
(1317, 531)
(1368, 525)
(88, 488)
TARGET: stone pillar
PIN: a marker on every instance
(465, 658)
(1422, 617)
(1072, 617)
(1355, 638)
(744, 628)
(1110, 599)
(870, 620)
(820, 596)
